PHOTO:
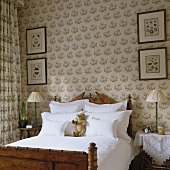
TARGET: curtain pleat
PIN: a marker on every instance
(10, 75)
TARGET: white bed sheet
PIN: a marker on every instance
(112, 154)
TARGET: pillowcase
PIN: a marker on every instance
(98, 127)
(99, 108)
(121, 116)
(70, 128)
(53, 128)
(74, 106)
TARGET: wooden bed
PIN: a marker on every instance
(20, 158)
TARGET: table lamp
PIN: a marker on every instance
(35, 97)
(156, 96)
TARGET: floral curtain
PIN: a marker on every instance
(10, 79)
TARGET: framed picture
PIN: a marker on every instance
(151, 26)
(36, 71)
(36, 41)
(153, 63)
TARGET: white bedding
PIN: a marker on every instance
(112, 154)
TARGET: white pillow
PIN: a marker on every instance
(53, 128)
(121, 116)
(74, 106)
(70, 128)
(100, 127)
(92, 107)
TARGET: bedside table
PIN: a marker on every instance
(29, 132)
(155, 150)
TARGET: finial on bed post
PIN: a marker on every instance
(129, 107)
(55, 98)
(90, 98)
(92, 157)
(129, 103)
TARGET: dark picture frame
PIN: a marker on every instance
(36, 71)
(36, 40)
(153, 63)
(151, 26)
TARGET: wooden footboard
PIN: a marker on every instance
(20, 158)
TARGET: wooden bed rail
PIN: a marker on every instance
(24, 158)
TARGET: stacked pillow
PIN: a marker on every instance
(102, 127)
(63, 122)
(122, 123)
(102, 119)
(53, 128)
(99, 108)
(74, 106)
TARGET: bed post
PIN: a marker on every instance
(92, 157)
(129, 103)
(55, 98)
(129, 107)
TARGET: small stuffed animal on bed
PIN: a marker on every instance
(80, 125)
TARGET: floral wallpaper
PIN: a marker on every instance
(19, 3)
(92, 46)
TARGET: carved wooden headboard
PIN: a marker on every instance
(103, 99)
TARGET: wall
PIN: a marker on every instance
(92, 46)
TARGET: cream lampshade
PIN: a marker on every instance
(35, 97)
(156, 96)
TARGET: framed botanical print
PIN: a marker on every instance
(151, 26)
(36, 71)
(153, 63)
(36, 41)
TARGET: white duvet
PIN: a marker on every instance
(112, 154)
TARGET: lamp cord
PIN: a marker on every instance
(156, 128)
(35, 123)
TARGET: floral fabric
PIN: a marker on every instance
(10, 80)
